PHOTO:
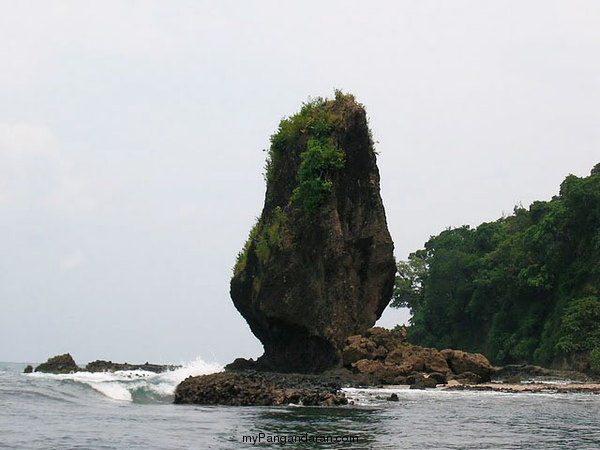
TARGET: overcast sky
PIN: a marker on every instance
(132, 137)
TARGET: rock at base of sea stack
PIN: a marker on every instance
(387, 358)
(250, 388)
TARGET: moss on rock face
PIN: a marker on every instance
(320, 158)
(318, 265)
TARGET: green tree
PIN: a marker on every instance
(506, 288)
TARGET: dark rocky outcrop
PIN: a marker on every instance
(28, 369)
(109, 366)
(393, 398)
(58, 364)
(66, 364)
(319, 264)
(259, 388)
(241, 364)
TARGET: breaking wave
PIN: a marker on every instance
(136, 386)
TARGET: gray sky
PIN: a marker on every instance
(131, 137)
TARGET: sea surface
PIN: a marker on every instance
(134, 410)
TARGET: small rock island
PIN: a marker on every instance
(316, 273)
(64, 364)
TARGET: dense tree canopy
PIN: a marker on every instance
(523, 288)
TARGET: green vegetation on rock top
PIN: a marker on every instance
(311, 134)
(314, 129)
(522, 288)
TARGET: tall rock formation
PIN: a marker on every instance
(318, 265)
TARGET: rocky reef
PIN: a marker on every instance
(109, 366)
(375, 358)
(318, 265)
(260, 389)
(66, 364)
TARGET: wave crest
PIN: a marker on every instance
(137, 386)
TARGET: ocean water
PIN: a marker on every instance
(134, 410)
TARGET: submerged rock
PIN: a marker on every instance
(258, 388)
(58, 364)
(318, 265)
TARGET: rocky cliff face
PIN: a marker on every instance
(318, 265)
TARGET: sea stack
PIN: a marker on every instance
(318, 265)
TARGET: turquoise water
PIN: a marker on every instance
(134, 411)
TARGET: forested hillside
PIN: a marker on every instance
(523, 288)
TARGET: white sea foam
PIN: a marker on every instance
(125, 384)
(551, 382)
(377, 396)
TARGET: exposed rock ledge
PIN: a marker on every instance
(259, 388)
